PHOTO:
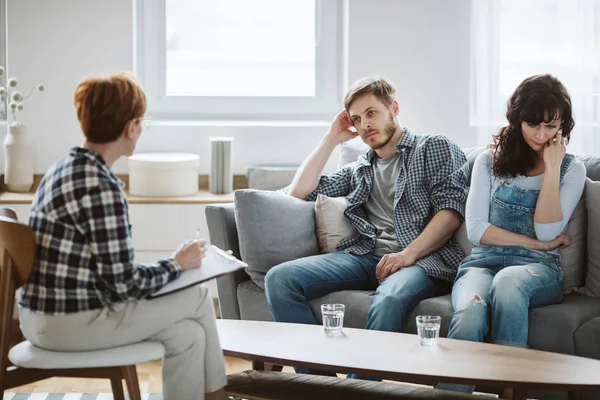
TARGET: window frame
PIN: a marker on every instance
(485, 26)
(331, 73)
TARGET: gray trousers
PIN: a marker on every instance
(184, 322)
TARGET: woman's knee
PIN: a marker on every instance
(509, 284)
(472, 318)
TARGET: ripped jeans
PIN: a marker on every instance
(493, 286)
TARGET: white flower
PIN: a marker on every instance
(20, 107)
(16, 97)
(12, 82)
(41, 88)
(13, 105)
(1, 71)
(2, 90)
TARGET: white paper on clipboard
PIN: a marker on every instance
(216, 263)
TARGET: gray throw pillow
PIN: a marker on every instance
(572, 258)
(592, 279)
(273, 228)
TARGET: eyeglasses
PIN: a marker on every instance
(145, 122)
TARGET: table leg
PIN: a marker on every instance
(258, 365)
(575, 395)
(519, 394)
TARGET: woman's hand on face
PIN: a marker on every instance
(190, 254)
(555, 151)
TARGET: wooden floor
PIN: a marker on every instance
(148, 374)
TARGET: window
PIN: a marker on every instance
(236, 59)
(514, 39)
(3, 20)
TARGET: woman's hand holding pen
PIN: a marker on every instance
(190, 254)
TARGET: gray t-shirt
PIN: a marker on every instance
(380, 205)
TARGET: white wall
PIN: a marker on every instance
(422, 46)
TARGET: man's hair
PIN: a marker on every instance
(105, 104)
(379, 87)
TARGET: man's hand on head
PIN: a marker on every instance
(340, 130)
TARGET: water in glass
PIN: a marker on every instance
(428, 329)
(333, 317)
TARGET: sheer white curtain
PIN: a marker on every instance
(514, 39)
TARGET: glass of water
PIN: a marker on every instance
(428, 328)
(333, 317)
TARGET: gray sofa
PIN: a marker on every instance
(572, 327)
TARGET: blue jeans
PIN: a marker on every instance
(291, 285)
(500, 288)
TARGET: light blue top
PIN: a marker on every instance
(484, 184)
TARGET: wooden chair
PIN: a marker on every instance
(25, 363)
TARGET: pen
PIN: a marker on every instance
(198, 235)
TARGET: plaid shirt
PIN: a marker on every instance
(84, 257)
(433, 178)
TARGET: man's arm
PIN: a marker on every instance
(308, 177)
(446, 173)
(435, 235)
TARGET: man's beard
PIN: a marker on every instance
(388, 133)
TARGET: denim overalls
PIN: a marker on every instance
(501, 283)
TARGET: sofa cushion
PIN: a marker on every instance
(592, 166)
(592, 199)
(587, 339)
(553, 328)
(331, 223)
(253, 302)
(573, 260)
(273, 228)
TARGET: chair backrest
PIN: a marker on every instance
(17, 254)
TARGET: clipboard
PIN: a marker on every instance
(216, 263)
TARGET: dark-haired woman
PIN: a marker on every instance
(523, 192)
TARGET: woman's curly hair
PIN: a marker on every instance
(540, 98)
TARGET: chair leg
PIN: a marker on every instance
(117, 388)
(131, 380)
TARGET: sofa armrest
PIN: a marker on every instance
(222, 232)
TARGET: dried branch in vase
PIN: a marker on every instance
(12, 96)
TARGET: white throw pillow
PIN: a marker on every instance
(331, 224)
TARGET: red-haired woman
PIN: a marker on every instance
(86, 292)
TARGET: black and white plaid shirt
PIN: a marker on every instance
(433, 178)
(84, 255)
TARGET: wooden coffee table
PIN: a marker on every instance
(400, 357)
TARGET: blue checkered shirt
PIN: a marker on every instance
(433, 178)
(84, 257)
